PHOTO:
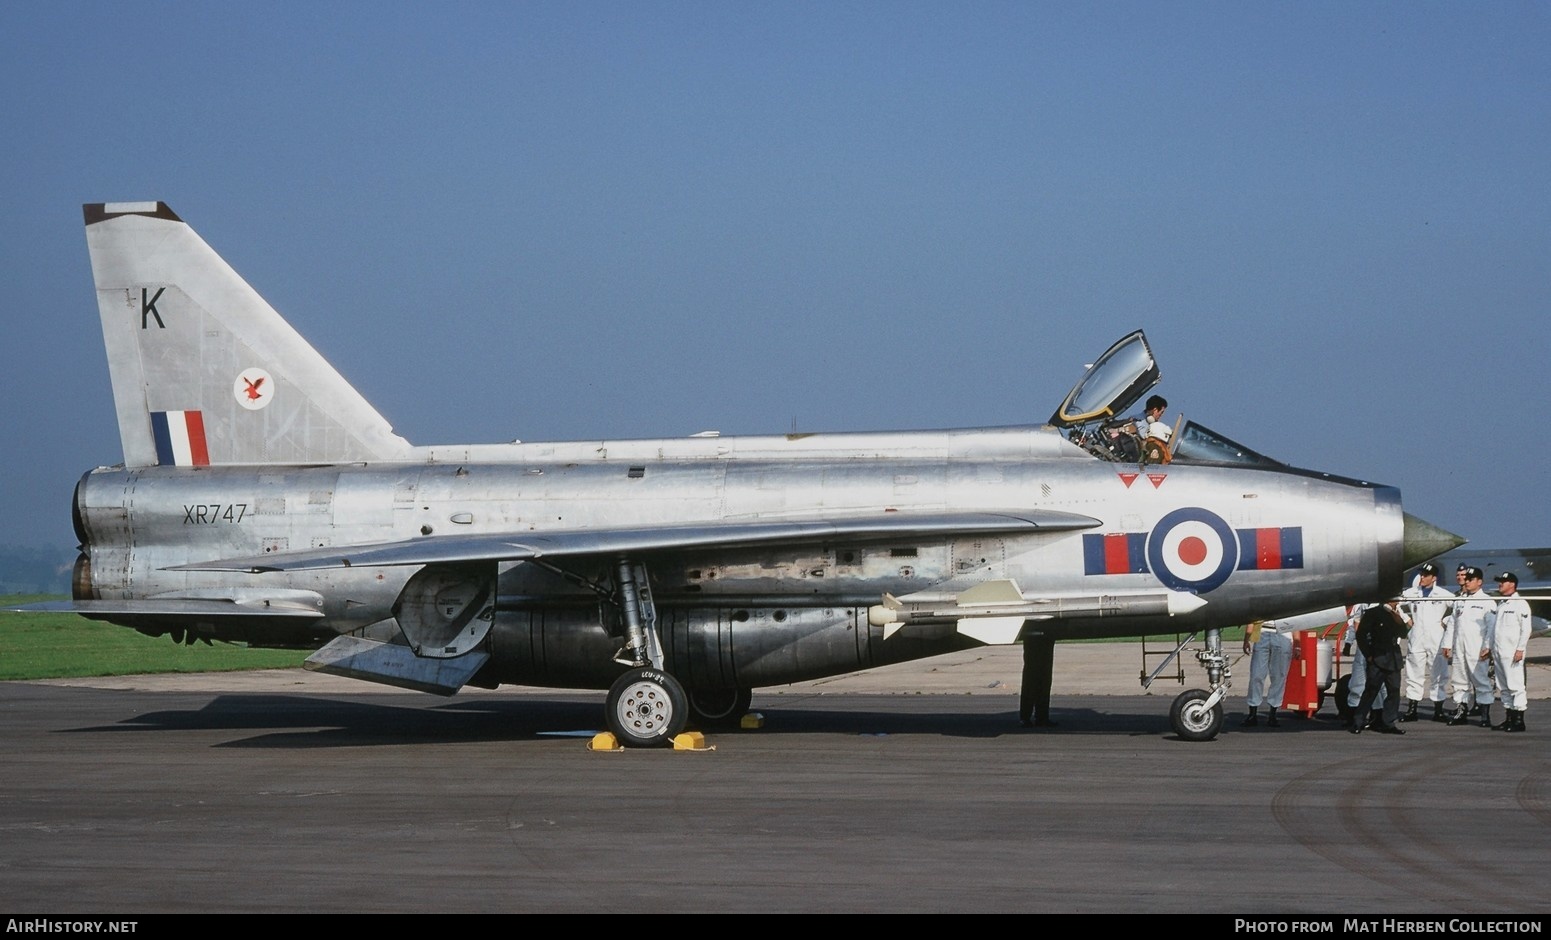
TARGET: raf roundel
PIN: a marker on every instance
(253, 389)
(1192, 549)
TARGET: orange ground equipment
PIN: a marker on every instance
(1303, 680)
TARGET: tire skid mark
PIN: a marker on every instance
(1300, 814)
(1389, 838)
(1444, 861)
(1366, 807)
(1533, 794)
(1443, 856)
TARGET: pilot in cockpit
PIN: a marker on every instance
(1153, 432)
(1153, 424)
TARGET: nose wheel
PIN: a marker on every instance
(1197, 715)
(646, 708)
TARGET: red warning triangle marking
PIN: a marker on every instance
(1157, 479)
(1128, 479)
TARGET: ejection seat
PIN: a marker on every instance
(1156, 449)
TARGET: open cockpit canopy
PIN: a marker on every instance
(1116, 381)
(1094, 413)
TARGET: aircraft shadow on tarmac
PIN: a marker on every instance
(303, 722)
(300, 722)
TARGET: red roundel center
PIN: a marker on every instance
(1192, 550)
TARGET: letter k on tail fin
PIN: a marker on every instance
(204, 370)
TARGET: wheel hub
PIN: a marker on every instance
(645, 709)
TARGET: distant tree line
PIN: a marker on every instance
(35, 570)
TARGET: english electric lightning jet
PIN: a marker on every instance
(263, 500)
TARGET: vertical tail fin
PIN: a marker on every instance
(204, 370)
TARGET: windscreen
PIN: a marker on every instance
(1201, 444)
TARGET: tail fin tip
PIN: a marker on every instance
(103, 211)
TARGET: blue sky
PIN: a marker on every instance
(601, 220)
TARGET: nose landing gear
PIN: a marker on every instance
(1197, 714)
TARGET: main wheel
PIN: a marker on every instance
(719, 708)
(646, 708)
(1192, 720)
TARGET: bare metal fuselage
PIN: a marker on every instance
(728, 616)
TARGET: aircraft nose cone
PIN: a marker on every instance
(1423, 540)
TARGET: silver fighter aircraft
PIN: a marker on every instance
(262, 500)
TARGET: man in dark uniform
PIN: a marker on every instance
(1379, 635)
(1039, 654)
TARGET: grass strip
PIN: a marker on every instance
(57, 646)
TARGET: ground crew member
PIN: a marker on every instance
(1468, 653)
(1039, 656)
(1427, 672)
(1379, 636)
(1271, 654)
(1510, 635)
(1445, 648)
(1357, 678)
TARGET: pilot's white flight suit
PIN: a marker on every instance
(1510, 633)
(1467, 637)
(1425, 641)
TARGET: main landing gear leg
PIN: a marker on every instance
(646, 706)
(1197, 715)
